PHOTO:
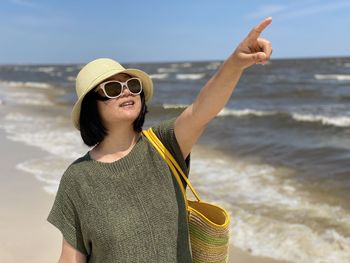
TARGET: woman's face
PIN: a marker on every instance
(124, 109)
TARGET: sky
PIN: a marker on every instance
(64, 32)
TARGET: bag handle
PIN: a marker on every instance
(174, 166)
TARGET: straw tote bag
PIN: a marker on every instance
(208, 223)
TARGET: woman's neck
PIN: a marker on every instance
(118, 143)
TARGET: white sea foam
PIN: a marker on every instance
(174, 106)
(47, 69)
(244, 112)
(339, 77)
(28, 98)
(40, 85)
(50, 137)
(295, 242)
(70, 69)
(159, 76)
(62, 144)
(186, 65)
(190, 76)
(43, 69)
(339, 121)
(268, 211)
(249, 178)
(21, 93)
(181, 65)
(71, 78)
(213, 66)
(47, 170)
(167, 70)
(56, 74)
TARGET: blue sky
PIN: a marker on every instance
(62, 31)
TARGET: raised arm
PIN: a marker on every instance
(216, 92)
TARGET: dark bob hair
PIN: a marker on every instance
(92, 130)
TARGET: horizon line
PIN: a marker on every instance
(171, 61)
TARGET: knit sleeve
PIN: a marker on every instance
(165, 132)
(64, 216)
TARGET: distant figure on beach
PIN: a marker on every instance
(119, 202)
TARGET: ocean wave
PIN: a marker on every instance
(271, 210)
(338, 121)
(174, 106)
(244, 112)
(296, 242)
(61, 144)
(51, 137)
(27, 98)
(21, 93)
(47, 69)
(159, 76)
(70, 69)
(71, 78)
(56, 74)
(47, 170)
(347, 65)
(190, 76)
(181, 65)
(213, 66)
(167, 70)
(186, 65)
(339, 77)
(31, 84)
(226, 111)
(44, 69)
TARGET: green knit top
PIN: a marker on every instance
(131, 210)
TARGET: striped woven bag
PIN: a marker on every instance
(208, 223)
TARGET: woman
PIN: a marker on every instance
(120, 202)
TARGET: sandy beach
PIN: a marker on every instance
(26, 235)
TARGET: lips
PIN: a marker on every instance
(127, 103)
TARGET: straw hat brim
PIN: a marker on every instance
(147, 87)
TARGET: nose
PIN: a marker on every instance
(125, 91)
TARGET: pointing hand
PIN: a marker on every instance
(253, 49)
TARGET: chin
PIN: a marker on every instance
(129, 115)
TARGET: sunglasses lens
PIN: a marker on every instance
(134, 85)
(113, 89)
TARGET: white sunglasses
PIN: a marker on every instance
(114, 88)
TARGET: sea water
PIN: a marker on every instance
(276, 157)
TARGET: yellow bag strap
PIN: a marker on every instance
(174, 166)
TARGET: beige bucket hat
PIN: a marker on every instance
(96, 72)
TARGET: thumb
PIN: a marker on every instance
(258, 57)
(249, 59)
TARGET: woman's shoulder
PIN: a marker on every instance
(163, 128)
(76, 170)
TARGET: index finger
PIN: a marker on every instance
(256, 31)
